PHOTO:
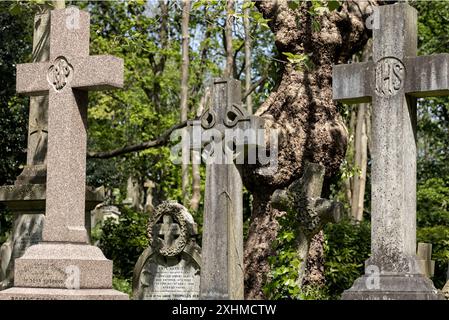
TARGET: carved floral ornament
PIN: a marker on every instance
(60, 73)
(232, 116)
(168, 230)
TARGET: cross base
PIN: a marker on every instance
(61, 294)
(398, 286)
(63, 265)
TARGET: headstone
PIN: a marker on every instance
(303, 199)
(64, 265)
(222, 243)
(393, 81)
(26, 198)
(445, 289)
(424, 254)
(103, 212)
(134, 194)
(169, 269)
(27, 230)
(149, 206)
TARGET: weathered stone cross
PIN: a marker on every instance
(66, 79)
(393, 81)
(303, 200)
(168, 230)
(222, 269)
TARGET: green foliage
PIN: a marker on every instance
(347, 246)
(123, 242)
(433, 223)
(123, 285)
(301, 61)
(433, 206)
(284, 264)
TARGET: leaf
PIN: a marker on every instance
(293, 4)
(333, 5)
(15, 9)
(196, 5)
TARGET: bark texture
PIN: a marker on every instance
(301, 107)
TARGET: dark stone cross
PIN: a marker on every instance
(393, 81)
(167, 230)
(228, 134)
(66, 78)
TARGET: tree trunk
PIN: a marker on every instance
(248, 62)
(196, 158)
(184, 97)
(228, 72)
(301, 107)
(361, 151)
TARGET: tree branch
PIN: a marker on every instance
(160, 141)
(255, 86)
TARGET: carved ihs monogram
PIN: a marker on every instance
(60, 73)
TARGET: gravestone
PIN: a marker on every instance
(303, 199)
(223, 126)
(393, 81)
(424, 254)
(26, 198)
(103, 212)
(169, 269)
(64, 265)
(445, 289)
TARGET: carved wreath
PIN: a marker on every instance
(175, 210)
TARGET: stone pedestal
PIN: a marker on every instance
(62, 271)
(393, 287)
(27, 203)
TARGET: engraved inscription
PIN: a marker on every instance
(390, 75)
(43, 277)
(180, 281)
(60, 73)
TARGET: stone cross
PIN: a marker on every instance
(66, 79)
(303, 199)
(424, 254)
(168, 230)
(393, 81)
(222, 271)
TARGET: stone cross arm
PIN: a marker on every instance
(425, 76)
(88, 73)
(302, 197)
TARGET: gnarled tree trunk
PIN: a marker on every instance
(301, 107)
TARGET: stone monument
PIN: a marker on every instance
(169, 269)
(393, 81)
(26, 198)
(64, 265)
(222, 243)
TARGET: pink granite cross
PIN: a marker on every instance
(67, 77)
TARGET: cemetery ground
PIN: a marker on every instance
(224, 150)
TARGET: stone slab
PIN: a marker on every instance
(31, 197)
(50, 265)
(393, 287)
(61, 294)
